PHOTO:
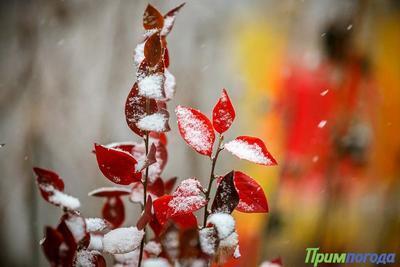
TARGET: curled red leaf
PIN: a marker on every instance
(196, 129)
(223, 113)
(252, 149)
(251, 195)
(118, 166)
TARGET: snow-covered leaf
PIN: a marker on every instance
(118, 166)
(251, 195)
(135, 109)
(46, 179)
(151, 81)
(224, 224)
(86, 258)
(223, 113)
(169, 20)
(95, 225)
(122, 240)
(208, 240)
(226, 197)
(252, 149)
(196, 129)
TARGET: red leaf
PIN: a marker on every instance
(226, 198)
(196, 129)
(156, 187)
(223, 113)
(153, 49)
(251, 196)
(252, 149)
(169, 19)
(152, 18)
(162, 209)
(135, 109)
(48, 178)
(162, 137)
(169, 184)
(150, 158)
(146, 217)
(185, 221)
(114, 211)
(51, 245)
(110, 192)
(118, 166)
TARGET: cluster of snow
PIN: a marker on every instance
(195, 130)
(152, 86)
(322, 124)
(188, 187)
(244, 150)
(96, 224)
(187, 197)
(208, 240)
(169, 85)
(60, 198)
(122, 240)
(156, 262)
(96, 242)
(139, 54)
(223, 223)
(153, 248)
(85, 258)
(155, 122)
(77, 227)
(128, 259)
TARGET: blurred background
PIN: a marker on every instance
(318, 80)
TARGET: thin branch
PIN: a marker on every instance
(212, 178)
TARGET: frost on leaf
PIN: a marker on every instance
(156, 122)
(86, 258)
(252, 149)
(224, 224)
(152, 18)
(169, 20)
(251, 195)
(226, 198)
(118, 166)
(122, 240)
(136, 108)
(196, 129)
(223, 113)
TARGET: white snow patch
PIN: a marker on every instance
(155, 262)
(155, 122)
(77, 227)
(207, 240)
(169, 85)
(122, 240)
(244, 150)
(95, 224)
(168, 23)
(152, 86)
(96, 242)
(85, 258)
(139, 54)
(230, 242)
(322, 124)
(153, 248)
(60, 198)
(128, 259)
(223, 223)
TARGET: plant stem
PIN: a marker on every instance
(144, 183)
(212, 178)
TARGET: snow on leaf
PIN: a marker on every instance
(86, 258)
(156, 122)
(152, 86)
(59, 198)
(169, 84)
(208, 240)
(118, 166)
(226, 197)
(187, 197)
(96, 242)
(128, 259)
(156, 262)
(48, 179)
(188, 187)
(110, 191)
(114, 211)
(227, 248)
(169, 20)
(96, 224)
(135, 109)
(252, 149)
(122, 240)
(153, 248)
(152, 18)
(223, 223)
(196, 129)
(251, 195)
(223, 113)
(139, 54)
